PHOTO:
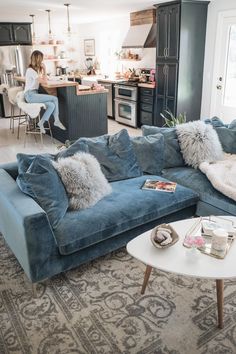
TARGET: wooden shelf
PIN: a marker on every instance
(57, 59)
(47, 45)
(129, 59)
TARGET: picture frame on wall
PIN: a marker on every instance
(89, 47)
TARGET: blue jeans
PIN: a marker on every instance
(51, 103)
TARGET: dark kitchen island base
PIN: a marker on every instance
(83, 114)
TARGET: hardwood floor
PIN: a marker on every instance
(10, 145)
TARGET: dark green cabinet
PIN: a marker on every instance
(168, 32)
(15, 33)
(22, 33)
(6, 35)
(181, 31)
(146, 106)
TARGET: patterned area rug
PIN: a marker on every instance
(98, 308)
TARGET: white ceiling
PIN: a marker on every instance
(80, 10)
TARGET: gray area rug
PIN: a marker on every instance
(98, 308)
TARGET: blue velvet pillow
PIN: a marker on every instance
(43, 184)
(25, 160)
(226, 133)
(172, 154)
(150, 153)
(115, 154)
(215, 121)
(227, 138)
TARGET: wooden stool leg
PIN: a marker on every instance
(146, 278)
(19, 123)
(50, 130)
(220, 302)
(13, 118)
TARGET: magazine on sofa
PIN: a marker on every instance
(162, 186)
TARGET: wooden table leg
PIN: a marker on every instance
(220, 302)
(146, 278)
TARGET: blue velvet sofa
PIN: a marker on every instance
(44, 249)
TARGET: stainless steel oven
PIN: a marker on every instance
(126, 104)
(126, 112)
(126, 92)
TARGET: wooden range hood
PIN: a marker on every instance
(142, 31)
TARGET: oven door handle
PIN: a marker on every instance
(129, 103)
(126, 87)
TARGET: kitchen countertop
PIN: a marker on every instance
(50, 84)
(57, 84)
(80, 92)
(146, 85)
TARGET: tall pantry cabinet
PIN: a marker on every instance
(181, 31)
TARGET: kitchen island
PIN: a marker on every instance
(82, 112)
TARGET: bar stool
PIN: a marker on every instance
(32, 113)
(12, 93)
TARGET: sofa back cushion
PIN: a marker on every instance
(150, 152)
(172, 153)
(42, 183)
(226, 134)
(115, 154)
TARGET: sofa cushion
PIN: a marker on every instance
(25, 160)
(172, 153)
(226, 133)
(43, 184)
(227, 137)
(127, 207)
(196, 180)
(150, 152)
(115, 154)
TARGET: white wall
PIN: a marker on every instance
(215, 7)
(108, 36)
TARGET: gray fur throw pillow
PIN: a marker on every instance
(83, 179)
(198, 142)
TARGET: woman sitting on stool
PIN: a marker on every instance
(36, 70)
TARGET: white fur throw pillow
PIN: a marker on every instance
(198, 142)
(83, 180)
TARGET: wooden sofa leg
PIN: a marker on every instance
(34, 290)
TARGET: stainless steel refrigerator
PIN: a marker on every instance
(13, 60)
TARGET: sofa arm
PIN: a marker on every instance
(11, 168)
(26, 229)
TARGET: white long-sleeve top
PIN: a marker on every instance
(31, 80)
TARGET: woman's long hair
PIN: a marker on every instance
(36, 61)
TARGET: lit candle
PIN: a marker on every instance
(219, 239)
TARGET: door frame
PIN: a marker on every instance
(219, 32)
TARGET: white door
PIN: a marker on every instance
(224, 84)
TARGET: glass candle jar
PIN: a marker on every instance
(219, 239)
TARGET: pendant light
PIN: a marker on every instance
(68, 20)
(49, 24)
(33, 29)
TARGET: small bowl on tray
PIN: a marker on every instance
(174, 236)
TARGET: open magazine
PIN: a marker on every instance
(162, 186)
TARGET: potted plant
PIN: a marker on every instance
(171, 120)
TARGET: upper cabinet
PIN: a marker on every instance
(15, 33)
(168, 32)
(22, 33)
(6, 35)
(181, 31)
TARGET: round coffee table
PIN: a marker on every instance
(176, 259)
